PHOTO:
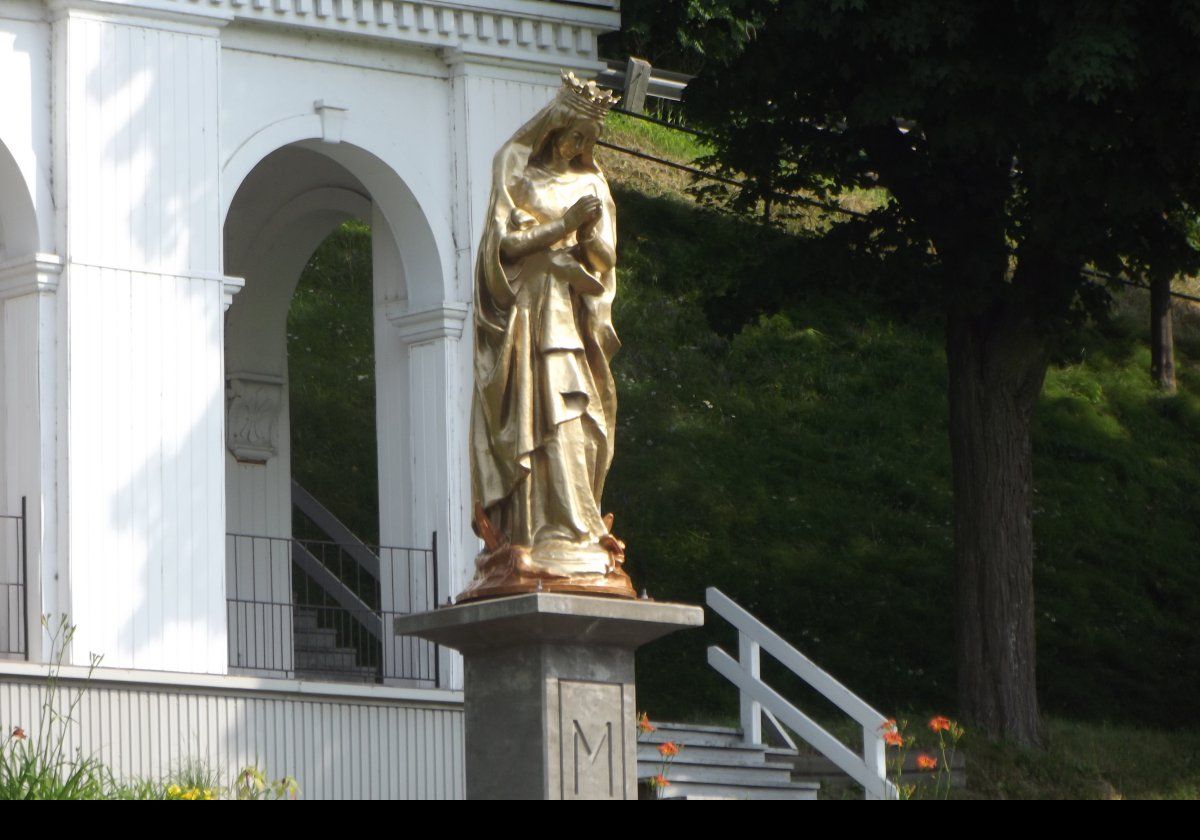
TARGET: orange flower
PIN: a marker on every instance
(644, 725)
(18, 733)
(940, 724)
(893, 739)
(888, 725)
(659, 781)
(668, 749)
(926, 762)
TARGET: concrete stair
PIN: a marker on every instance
(318, 655)
(714, 763)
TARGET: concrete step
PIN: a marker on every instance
(304, 618)
(681, 771)
(715, 763)
(740, 756)
(325, 660)
(694, 735)
(694, 790)
(357, 674)
(320, 638)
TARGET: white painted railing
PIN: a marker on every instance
(759, 699)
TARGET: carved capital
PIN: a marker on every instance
(426, 323)
(252, 405)
(32, 274)
(230, 286)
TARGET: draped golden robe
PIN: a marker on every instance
(545, 407)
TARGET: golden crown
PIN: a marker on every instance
(586, 98)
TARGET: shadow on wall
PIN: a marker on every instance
(146, 387)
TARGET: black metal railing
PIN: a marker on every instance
(319, 609)
(14, 585)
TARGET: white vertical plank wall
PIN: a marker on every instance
(344, 742)
(29, 399)
(137, 111)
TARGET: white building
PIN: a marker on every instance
(167, 167)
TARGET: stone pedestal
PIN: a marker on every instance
(549, 690)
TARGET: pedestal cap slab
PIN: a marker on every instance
(549, 618)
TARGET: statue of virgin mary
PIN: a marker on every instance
(544, 412)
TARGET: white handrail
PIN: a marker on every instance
(869, 770)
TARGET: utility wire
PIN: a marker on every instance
(1100, 275)
(657, 121)
(700, 173)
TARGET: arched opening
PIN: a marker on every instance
(18, 408)
(311, 588)
(331, 383)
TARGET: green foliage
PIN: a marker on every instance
(37, 765)
(1020, 140)
(675, 145)
(331, 373)
(679, 34)
(801, 464)
(1087, 761)
(1019, 143)
(252, 784)
(30, 769)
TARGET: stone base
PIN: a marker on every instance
(549, 690)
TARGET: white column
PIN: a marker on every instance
(28, 289)
(136, 113)
(420, 394)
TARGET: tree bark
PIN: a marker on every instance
(1162, 342)
(997, 364)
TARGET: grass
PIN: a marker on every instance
(797, 458)
(801, 464)
(1088, 761)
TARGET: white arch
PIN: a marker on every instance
(426, 250)
(18, 218)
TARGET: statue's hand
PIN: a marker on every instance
(585, 211)
(588, 230)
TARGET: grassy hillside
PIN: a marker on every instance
(801, 464)
(796, 457)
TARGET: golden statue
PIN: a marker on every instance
(544, 414)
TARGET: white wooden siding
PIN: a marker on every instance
(360, 743)
(146, 498)
(145, 473)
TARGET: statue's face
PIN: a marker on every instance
(575, 138)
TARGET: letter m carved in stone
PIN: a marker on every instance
(591, 741)
(593, 764)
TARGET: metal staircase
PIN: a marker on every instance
(320, 657)
(319, 605)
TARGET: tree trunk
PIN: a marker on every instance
(997, 363)
(1162, 343)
